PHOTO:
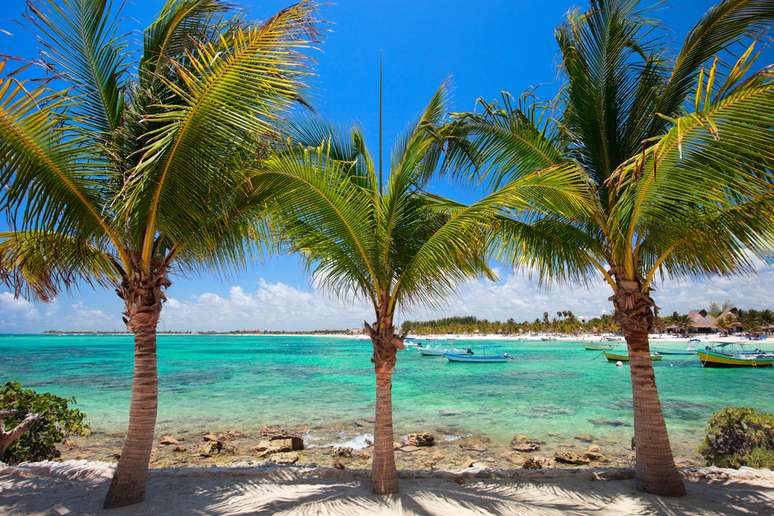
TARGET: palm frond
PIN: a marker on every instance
(40, 264)
(80, 39)
(710, 161)
(177, 30)
(49, 184)
(326, 215)
(508, 141)
(720, 27)
(233, 91)
(602, 54)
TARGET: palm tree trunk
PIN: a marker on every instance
(384, 475)
(143, 298)
(655, 467)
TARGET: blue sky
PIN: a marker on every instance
(484, 47)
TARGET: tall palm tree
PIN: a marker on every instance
(392, 245)
(126, 176)
(677, 155)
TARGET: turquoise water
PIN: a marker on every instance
(225, 382)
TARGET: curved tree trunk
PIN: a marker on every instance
(655, 467)
(143, 298)
(384, 475)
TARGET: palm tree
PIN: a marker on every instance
(391, 244)
(677, 157)
(683, 322)
(120, 182)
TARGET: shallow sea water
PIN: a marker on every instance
(552, 390)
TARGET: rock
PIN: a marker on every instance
(210, 437)
(419, 439)
(585, 438)
(271, 430)
(570, 458)
(408, 448)
(439, 455)
(180, 449)
(232, 434)
(526, 447)
(396, 445)
(168, 440)
(210, 448)
(459, 480)
(341, 451)
(533, 463)
(364, 454)
(285, 458)
(594, 453)
(289, 443)
(519, 438)
(339, 465)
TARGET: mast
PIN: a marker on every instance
(380, 125)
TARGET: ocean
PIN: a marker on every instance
(551, 390)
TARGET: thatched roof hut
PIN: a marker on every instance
(702, 321)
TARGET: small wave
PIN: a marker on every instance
(359, 442)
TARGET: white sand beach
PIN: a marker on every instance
(586, 337)
(78, 487)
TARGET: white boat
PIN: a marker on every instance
(438, 352)
(481, 359)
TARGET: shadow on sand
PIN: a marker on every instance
(294, 491)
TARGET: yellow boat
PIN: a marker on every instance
(716, 359)
(623, 357)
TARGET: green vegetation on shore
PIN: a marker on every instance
(737, 437)
(32, 424)
(566, 322)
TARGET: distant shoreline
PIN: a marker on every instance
(708, 338)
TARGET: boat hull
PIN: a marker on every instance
(660, 352)
(711, 359)
(616, 357)
(479, 359)
(439, 352)
(598, 347)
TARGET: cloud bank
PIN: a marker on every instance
(278, 306)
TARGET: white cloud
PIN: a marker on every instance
(279, 306)
(16, 314)
(272, 306)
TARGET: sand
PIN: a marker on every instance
(78, 487)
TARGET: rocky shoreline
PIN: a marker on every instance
(349, 447)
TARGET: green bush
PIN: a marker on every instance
(739, 437)
(57, 421)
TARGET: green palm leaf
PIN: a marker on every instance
(42, 263)
(233, 90)
(78, 38)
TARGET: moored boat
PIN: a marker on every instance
(675, 351)
(438, 352)
(623, 357)
(598, 347)
(710, 358)
(481, 359)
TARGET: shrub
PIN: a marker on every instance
(57, 421)
(739, 437)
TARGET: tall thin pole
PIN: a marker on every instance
(380, 125)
